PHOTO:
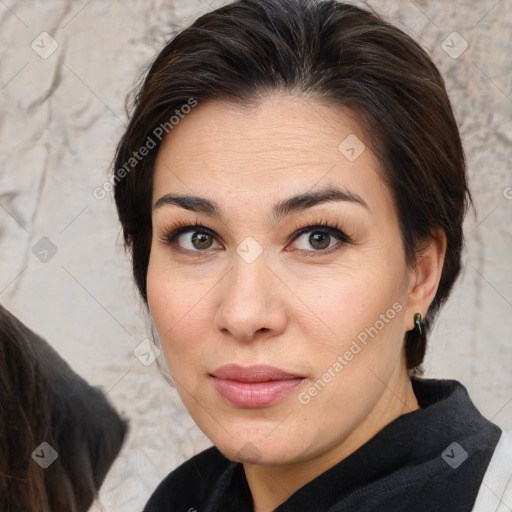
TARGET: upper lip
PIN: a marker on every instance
(255, 373)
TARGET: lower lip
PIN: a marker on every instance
(254, 394)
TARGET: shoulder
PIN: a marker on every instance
(496, 488)
(189, 485)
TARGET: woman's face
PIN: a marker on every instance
(245, 288)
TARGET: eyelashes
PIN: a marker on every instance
(170, 235)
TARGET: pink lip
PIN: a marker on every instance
(254, 386)
(255, 373)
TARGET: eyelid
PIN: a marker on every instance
(321, 225)
(169, 235)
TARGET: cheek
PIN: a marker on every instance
(366, 316)
(367, 333)
(170, 297)
(365, 313)
(167, 301)
(179, 310)
(358, 296)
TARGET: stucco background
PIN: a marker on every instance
(62, 113)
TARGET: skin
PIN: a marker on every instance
(294, 307)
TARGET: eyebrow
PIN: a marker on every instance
(281, 209)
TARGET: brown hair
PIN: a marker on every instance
(43, 400)
(334, 52)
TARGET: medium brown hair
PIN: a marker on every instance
(43, 400)
(337, 53)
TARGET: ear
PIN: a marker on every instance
(425, 276)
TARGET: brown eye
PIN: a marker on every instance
(201, 241)
(194, 240)
(320, 239)
(189, 238)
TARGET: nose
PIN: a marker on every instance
(252, 301)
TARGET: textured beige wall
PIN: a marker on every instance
(61, 116)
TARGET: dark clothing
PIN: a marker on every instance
(410, 465)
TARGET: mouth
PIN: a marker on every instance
(254, 386)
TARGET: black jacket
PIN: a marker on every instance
(431, 459)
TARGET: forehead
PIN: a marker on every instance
(281, 146)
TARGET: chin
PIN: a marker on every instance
(254, 452)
